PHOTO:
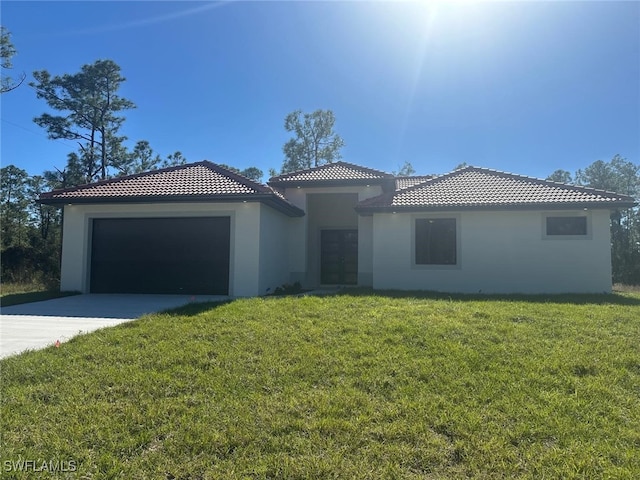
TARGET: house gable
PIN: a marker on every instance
(481, 188)
(196, 182)
(333, 175)
(329, 194)
(479, 230)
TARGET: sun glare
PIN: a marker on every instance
(429, 45)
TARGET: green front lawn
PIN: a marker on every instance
(348, 386)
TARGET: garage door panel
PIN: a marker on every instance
(161, 255)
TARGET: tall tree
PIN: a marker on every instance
(14, 201)
(30, 232)
(406, 170)
(173, 159)
(618, 175)
(560, 176)
(252, 173)
(7, 52)
(315, 142)
(141, 159)
(71, 175)
(46, 217)
(621, 176)
(91, 106)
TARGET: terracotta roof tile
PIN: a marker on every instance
(410, 181)
(203, 178)
(473, 187)
(191, 182)
(330, 173)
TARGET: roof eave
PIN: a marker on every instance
(368, 210)
(283, 207)
(268, 199)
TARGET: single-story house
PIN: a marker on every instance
(202, 229)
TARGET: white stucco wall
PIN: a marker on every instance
(244, 276)
(498, 252)
(274, 249)
(297, 241)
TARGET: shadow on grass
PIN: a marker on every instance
(633, 299)
(573, 298)
(196, 308)
(30, 297)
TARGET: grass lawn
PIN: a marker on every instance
(16, 293)
(348, 386)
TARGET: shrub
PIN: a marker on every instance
(289, 289)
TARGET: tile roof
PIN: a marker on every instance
(331, 173)
(410, 181)
(201, 181)
(474, 187)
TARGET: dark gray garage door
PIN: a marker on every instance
(160, 255)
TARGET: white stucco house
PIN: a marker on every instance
(202, 229)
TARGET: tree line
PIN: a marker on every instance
(621, 176)
(91, 114)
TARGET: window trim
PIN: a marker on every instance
(435, 216)
(584, 214)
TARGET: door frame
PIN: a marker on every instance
(321, 263)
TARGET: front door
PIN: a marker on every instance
(339, 257)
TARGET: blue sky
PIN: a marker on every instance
(517, 86)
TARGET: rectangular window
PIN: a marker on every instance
(435, 241)
(566, 225)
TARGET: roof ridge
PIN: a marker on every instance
(368, 169)
(539, 180)
(311, 169)
(247, 182)
(434, 179)
(122, 177)
(197, 181)
(260, 187)
(329, 165)
(412, 177)
(476, 189)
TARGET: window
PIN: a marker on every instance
(566, 225)
(436, 241)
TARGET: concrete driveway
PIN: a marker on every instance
(37, 325)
